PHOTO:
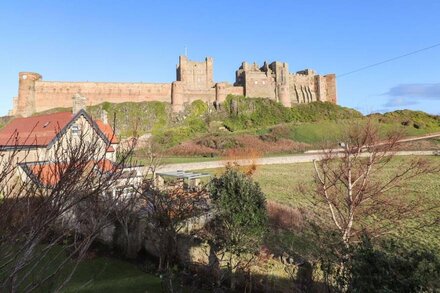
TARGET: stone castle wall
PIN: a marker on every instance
(49, 93)
(194, 81)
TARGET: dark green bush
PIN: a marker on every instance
(388, 267)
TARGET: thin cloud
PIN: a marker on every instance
(429, 91)
(411, 94)
(400, 102)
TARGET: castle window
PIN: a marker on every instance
(256, 82)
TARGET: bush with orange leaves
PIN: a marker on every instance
(244, 160)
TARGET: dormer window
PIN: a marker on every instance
(75, 129)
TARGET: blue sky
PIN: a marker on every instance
(141, 40)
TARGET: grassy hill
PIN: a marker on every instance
(243, 123)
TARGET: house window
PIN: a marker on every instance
(75, 129)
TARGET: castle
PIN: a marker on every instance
(194, 80)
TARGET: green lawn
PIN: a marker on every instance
(105, 274)
(95, 274)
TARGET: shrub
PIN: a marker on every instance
(386, 267)
(173, 136)
(285, 217)
(191, 149)
(218, 142)
(241, 212)
(393, 268)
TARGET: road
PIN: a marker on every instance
(291, 159)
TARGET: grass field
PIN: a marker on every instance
(280, 183)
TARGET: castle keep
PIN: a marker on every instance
(194, 81)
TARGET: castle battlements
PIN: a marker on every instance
(194, 81)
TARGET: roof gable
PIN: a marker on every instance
(72, 121)
(45, 130)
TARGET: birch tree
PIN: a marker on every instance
(362, 186)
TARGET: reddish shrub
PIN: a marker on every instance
(236, 147)
(191, 149)
(285, 217)
(266, 147)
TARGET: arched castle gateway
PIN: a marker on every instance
(194, 81)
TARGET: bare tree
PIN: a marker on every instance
(169, 210)
(360, 187)
(128, 213)
(53, 208)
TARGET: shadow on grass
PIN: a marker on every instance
(104, 274)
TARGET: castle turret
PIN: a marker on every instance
(221, 92)
(25, 105)
(330, 80)
(284, 95)
(177, 96)
(282, 80)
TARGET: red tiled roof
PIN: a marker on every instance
(41, 130)
(35, 130)
(107, 130)
(48, 174)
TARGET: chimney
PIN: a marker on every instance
(79, 103)
(104, 116)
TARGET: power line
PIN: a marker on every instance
(389, 60)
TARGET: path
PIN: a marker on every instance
(291, 159)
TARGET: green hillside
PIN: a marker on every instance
(241, 123)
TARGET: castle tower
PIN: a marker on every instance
(195, 74)
(282, 78)
(25, 103)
